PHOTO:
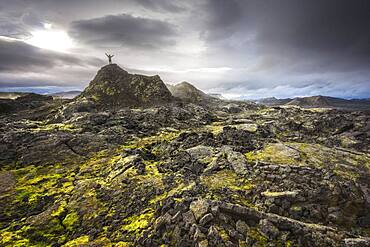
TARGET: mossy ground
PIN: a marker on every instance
(48, 127)
(73, 197)
(344, 163)
(105, 200)
(226, 179)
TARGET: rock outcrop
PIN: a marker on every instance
(114, 88)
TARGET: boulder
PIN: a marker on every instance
(199, 208)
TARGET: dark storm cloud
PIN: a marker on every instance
(329, 25)
(328, 34)
(18, 24)
(161, 5)
(17, 56)
(124, 30)
(222, 17)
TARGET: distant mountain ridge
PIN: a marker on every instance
(272, 101)
(318, 102)
(66, 94)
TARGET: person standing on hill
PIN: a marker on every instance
(109, 57)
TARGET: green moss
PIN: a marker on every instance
(77, 242)
(11, 239)
(37, 184)
(244, 201)
(151, 176)
(177, 190)
(70, 220)
(296, 208)
(242, 243)
(223, 234)
(67, 187)
(274, 153)
(6, 237)
(251, 156)
(139, 143)
(60, 210)
(95, 98)
(346, 174)
(226, 179)
(136, 223)
(260, 239)
(43, 178)
(215, 128)
(42, 126)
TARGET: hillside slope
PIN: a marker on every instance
(189, 93)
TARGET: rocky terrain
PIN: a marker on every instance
(24, 102)
(126, 164)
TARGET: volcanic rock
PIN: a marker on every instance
(114, 88)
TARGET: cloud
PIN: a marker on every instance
(240, 47)
(221, 18)
(19, 56)
(124, 30)
(161, 5)
(331, 35)
(19, 24)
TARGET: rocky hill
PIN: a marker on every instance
(330, 102)
(217, 96)
(114, 87)
(273, 101)
(320, 102)
(187, 92)
(191, 174)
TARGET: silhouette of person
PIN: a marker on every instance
(109, 57)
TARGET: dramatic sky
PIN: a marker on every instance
(239, 48)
